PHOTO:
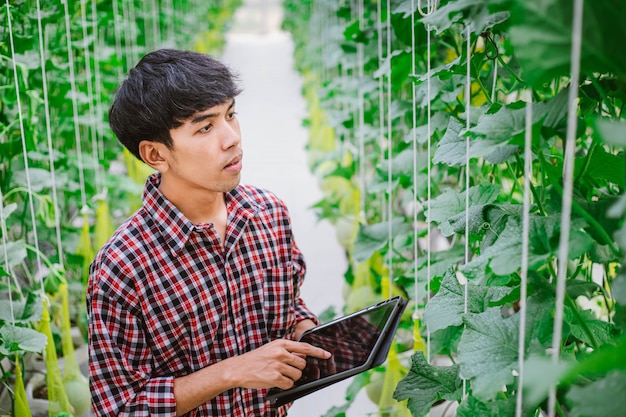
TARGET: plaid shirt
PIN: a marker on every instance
(165, 299)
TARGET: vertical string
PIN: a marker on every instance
(44, 82)
(468, 98)
(19, 107)
(23, 138)
(90, 96)
(5, 241)
(568, 185)
(361, 113)
(98, 43)
(389, 153)
(117, 31)
(416, 313)
(431, 6)
(381, 92)
(70, 59)
(528, 172)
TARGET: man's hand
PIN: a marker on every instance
(276, 364)
(302, 326)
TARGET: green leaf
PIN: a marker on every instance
(450, 203)
(24, 312)
(603, 332)
(541, 34)
(604, 397)
(472, 407)
(371, 238)
(425, 384)
(8, 209)
(473, 12)
(610, 131)
(504, 256)
(21, 339)
(447, 307)
(540, 374)
(452, 149)
(602, 166)
(441, 261)
(488, 351)
(16, 251)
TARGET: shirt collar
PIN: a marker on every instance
(176, 228)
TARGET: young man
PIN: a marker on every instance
(194, 302)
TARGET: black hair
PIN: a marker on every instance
(164, 89)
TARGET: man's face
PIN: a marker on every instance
(206, 152)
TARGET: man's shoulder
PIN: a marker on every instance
(133, 236)
(260, 196)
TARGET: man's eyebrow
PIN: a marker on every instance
(202, 117)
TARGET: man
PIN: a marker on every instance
(194, 302)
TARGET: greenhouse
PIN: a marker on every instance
(464, 156)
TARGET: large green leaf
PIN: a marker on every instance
(450, 203)
(488, 351)
(15, 250)
(504, 257)
(16, 339)
(541, 33)
(452, 149)
(447, 307)
(371, 238)
(473, 12)
(611, 131)
(542, 372)
(601, 398)
(425, 384)
(472, 407)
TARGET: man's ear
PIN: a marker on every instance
(154, 154)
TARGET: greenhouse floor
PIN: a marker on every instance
(270, 111)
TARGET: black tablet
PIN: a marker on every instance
(357, 342)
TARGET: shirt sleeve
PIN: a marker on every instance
(301, 310)
(121, 380)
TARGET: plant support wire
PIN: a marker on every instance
(568, 186)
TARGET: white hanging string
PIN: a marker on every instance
(98, 46)
(568, 185)
(361, 113)
(117, 29)
(5, 243)
(44, 82)
(431, 7)
(381, 97)
(416, 312)
(73, 92)
(90, 96)
(389, 154)
(31, 202)
(4, 227)
(468, 102)
(528, 172)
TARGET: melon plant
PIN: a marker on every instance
(366, 69)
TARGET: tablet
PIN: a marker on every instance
(357, 342)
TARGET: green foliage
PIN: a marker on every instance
(470, 298)
(68, 109)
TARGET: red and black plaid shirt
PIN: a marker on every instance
(165, 299)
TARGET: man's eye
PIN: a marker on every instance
(205, 129)
(231, 115)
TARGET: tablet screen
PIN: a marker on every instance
(349, 340)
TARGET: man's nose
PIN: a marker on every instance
(231, 135)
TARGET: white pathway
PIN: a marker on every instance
(271, 110)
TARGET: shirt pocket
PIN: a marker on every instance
(279, 302)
